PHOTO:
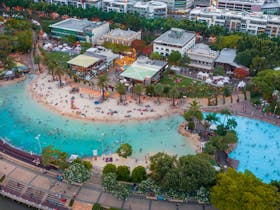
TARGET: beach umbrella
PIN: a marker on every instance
(220, 84)
(208, 81)
(241, 84)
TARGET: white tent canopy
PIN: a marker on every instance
(241, 84)
(220, 84)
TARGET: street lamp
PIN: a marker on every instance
(39, 143)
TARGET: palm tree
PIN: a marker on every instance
(159, 91)
(59, 71)
(212, 117)
(174, 93)
(226, 113)
(51, 67)
(231, 124)
(138, 89)
(37, 60)
(121, 89)
(102, 84)
(195, 110)
(226, 93)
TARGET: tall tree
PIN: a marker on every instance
(158, 91)
(174, 58)
(236, 190)
(102, 84)
(174, 93)
(121, 89)
(138, 90)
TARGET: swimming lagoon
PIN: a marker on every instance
(30, 126)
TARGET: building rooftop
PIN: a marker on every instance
(227, 56)
(175, 36)
(101, 51)
(203, 50)
(84, 61)
(121, 34)
(73, 24)
(155, 4)
(143, 68)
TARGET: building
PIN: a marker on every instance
(76, 3)
(226, 59)
(93, 62)
(271, 7)
(241, 5)
(202, 57)
(178, 5)
(145, 71)
(106, 55)
(119, 36)
(83, 64)
(83, 30)
(175, 39)
(120, 6)
(252, 23)
(151, 9)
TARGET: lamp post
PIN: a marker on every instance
(39, 143)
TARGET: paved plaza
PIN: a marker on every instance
(85, 195)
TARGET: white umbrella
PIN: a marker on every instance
(213, 127)
(220, 84)
(241, 84)
(208, 81)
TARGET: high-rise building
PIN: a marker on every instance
(253, 23)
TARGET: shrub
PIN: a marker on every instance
(109, 168)
(3, 178)
(191, 125)
(109, 181)
(123, 173)
(230, 137)
(138, 174)
(71, 202)
(97, 206)
(124, 150)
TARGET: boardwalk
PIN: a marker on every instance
(28, 182)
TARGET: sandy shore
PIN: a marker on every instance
(8, 82)
(47, 92)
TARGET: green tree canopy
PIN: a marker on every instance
(123, 173)
(121, 89)
(160, 164)
(109, 168)
(54, 157)
(102, 84)
(138, 174)
(156, 56)
(266, 82)
(236, 190)
(174, 58)
(77, 172)
(124, 150)
(138, 90)
(191, 173)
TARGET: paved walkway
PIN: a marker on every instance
(85, 195)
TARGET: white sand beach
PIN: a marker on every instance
(46, 91)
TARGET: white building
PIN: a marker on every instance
(151, 9)
(83, 30)
(202, 57)
(119, 36)
(241, 5)
(120, 6)
(252, 23)
(178, 5)
(77, 3)
(175, 39)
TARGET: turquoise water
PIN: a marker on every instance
(258, 148)
(22, 119)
